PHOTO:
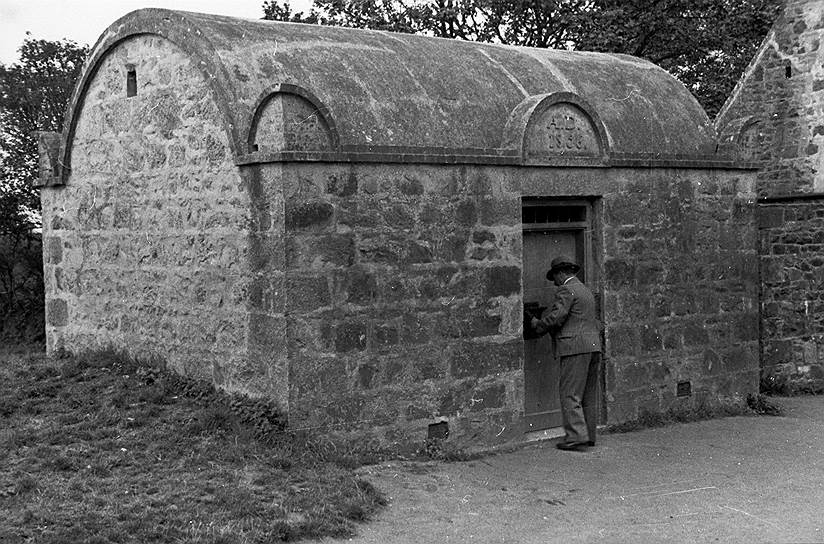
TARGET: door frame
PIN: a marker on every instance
(587, 225)
(591, 227)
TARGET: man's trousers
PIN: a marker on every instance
(580, 397)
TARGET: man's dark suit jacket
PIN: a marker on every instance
(572, 321)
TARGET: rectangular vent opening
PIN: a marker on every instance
(684, 389)
(438, 431)
(131, 82)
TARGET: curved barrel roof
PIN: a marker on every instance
(399, 93)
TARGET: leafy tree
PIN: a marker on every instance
(707, 44)
(33, 97)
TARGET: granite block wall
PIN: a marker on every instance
(402, 300)
(776, 115)
(792, 295)
(403, 292)
(146, 244)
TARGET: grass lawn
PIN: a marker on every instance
(98, 449)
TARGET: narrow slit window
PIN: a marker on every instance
(131, 82)
(788, 70)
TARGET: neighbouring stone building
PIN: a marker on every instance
(776, 116)
(351, 222)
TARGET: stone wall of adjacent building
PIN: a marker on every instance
(776, 116)
(403, 295)
(776, 113)
(146, 244)
(792, 294)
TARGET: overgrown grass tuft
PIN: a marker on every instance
(763, 406)
(103, 448)
(753, 405)
(437, 449)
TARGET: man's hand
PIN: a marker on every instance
(535, 322)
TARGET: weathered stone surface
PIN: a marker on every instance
(454, 398)
(622, 340)
(619, 272)
(695, 334)
(366, 373)
(502, 280)
(267, 294)
(393, 251)
(57, 314)
(385, 335)
(301, 215)
(484, 359)
(488, 397)
(792, 280)
(633, 375)
(360, 285)
(500, 211)
(351, 336)
(320, 251)
(53, 250)
(651, 339)
(306, 293)
(466, 213)
(680, 275)
(467, 323)
(342, 185)
(147, 173)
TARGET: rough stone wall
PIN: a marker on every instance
(267, 358)
(678, 280)
(403, 299)
(783, 92)
(792, 295)
(146, 244)
(403, 292)
(782, 97)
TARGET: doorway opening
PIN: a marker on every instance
(553, 227)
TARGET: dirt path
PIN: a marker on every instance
(744, 479)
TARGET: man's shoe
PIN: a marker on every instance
(591, 443)
(572, 446)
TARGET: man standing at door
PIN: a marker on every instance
(572, 322)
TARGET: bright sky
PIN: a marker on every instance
(85, 20)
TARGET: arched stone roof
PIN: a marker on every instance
(408, 96)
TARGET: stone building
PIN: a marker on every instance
(776, 117)
(350, 222)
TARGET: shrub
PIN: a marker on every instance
(21, 288)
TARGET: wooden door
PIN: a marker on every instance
(545, 237)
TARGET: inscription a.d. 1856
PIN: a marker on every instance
(561, 129)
